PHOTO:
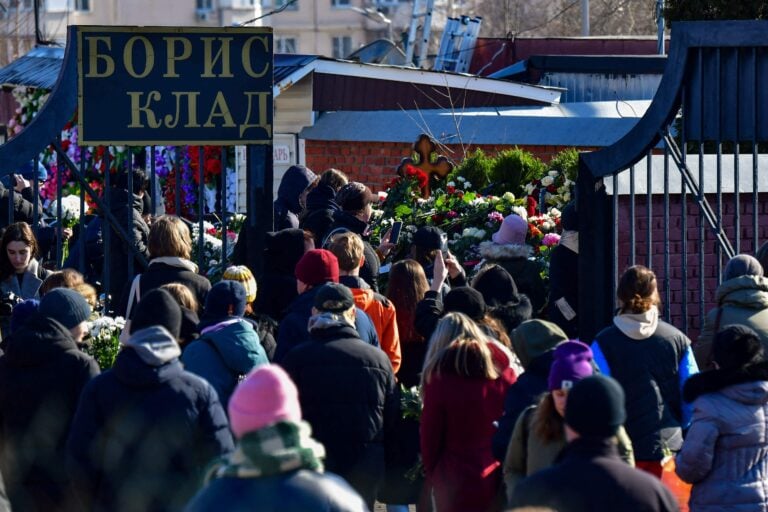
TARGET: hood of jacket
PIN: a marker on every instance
(638, 326)
(283, 250)
(322, 197)
(512, 314)
(295, 180)
(119, 198)
(744, 291)
(40, 340)
(533, 338)
(342, 219)
(748, 384)
(131, 370)
(334, 331)
(492, 251)
(238, 345)
(154, 345)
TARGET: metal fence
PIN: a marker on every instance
(681, 192)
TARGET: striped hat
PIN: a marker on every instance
(244, 276)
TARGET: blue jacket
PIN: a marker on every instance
(297, 491)
(142, 436)
(223, 356)
(293, 328)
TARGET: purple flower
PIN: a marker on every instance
(452, 214)
(550, 239)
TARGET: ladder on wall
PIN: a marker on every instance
(458, 44)
(421, 9)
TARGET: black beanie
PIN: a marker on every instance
(221, 296)
(595, 407)
(465, 300)
(158, 307)
(736, 346)
(496, 286)
(66, 306)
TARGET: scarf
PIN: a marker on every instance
(570, 239)
(174, 261)
(278, 448)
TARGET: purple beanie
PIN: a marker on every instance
(266, 396)
(571, 362)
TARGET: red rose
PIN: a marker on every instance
(531, 206)
(450, 189)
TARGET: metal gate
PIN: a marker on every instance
(684, 190)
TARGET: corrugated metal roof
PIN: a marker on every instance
(596, 124)
(40, 67)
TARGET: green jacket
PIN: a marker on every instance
(742, 300)
(527, 453)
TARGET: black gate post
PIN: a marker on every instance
(259, 204)
(595, 244)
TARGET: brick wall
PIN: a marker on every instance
(678, 287)
(375, 163)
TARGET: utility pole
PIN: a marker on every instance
(660, 22)
(584, 18)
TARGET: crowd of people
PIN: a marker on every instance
(294, 390)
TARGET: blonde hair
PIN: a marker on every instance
(88, 292)
(348, 249)
(169, 236)
(454, 326)
(465, 357)
(182, 295)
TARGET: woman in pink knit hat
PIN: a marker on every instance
(277, 465)
(508, 249)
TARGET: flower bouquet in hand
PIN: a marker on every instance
(103, 341)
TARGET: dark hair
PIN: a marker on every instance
(425, 257)
(333, 178)
(406, 287)
(140, 181)
(547, 423)
(736, 346)
(16, 232)
(637, 290)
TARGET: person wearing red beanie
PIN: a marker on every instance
(314, 269)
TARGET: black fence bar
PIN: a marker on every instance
(684, 251)
(200, 205)
(153, 180)
(83, 227)
(59, 185)
(702, 236)
(36, 202)
(736, 201)
(11, 196)
(667, 294)
(106, 233)
(128, 170)
(755, 194)
(719, 211)
(648, 207)
(177, 182)
(224, 219)
(615, 223)
(632, 237)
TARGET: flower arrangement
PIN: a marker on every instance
(212, 261)
(103, 341)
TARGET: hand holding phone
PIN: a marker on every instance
(394, 234)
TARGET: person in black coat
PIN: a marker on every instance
(291, 196)
(277, 285)
(145, 430)
(563, 303)
(41, 377)
(170, 247)
(356, 202)
(533, 342)
(127, 207)
(589, 475)
(500, 293)
(347, 391)
(318, 215)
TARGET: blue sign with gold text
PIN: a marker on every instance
(174, 85)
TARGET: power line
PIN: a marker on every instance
(270, 13)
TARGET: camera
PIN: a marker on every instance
(8, 301)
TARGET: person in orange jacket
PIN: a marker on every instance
(348, 249)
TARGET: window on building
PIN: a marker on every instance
(23, 5)
(82, 5)
(286, 45)
(342, 47)
(340, 3)
(204, 5)
(293, 5)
